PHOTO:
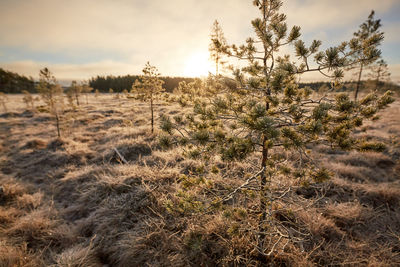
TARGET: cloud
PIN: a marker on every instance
(68, 72)
(133, 32)
(124, 34)
(111, 26)
(323, 14)
(392, 33)
(148, 26)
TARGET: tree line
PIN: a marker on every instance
(14, 83)
(120, 83)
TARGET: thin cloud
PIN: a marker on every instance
(68, 72)
(128, 33)
(392, 35)
(323, 14)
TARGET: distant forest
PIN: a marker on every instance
(14, 83)
(119, 83)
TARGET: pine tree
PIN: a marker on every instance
(52, 94)
(86, 89)
(126, 93)
(364, 46)
(379, 72)
(3, 101)
(149, 86)
(28, 100)
(75, 91)
(264, 111)
(217, 41)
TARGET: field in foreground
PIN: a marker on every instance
(71, 202)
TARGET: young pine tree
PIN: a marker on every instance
(52, 94)
(149, 86)
(86, 89)
(74, 91)
(364, 47)
(28, 100)
(187, 91)
(217, 41)
(379, 73)
(266, 112)
(126, 93)
(3, 101)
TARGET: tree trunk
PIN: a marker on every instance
(358, 82)
(264, 186)
(216, 67)
(77, 99)
(58, 125)
(263, 181)
(377, 79)
(4, 106)
(152, 114)
(263, 200)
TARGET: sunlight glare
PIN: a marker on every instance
(197, 65)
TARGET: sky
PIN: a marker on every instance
(79, 39)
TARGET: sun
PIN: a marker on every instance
(197, 65)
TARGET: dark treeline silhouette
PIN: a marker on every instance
(119, 83)
(13, 83)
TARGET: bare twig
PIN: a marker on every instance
(120, 156)
(232, 194)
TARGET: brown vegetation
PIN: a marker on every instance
(73, 202)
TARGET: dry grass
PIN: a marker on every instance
(17, 255)
(79, 255)
(71, 202)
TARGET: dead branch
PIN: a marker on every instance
(120, 156)
(232, 194)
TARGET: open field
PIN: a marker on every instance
(72, 202)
